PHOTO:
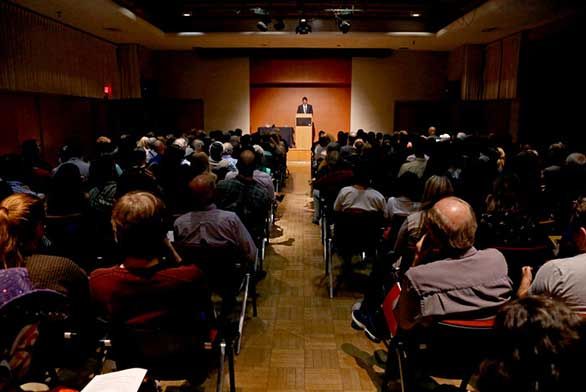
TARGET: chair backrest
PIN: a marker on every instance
(222, 265)
(173, 351)
(452, 347)
(356, 230)
(28, 325)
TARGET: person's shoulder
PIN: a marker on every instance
(574, 263)
(52, 262)
(491, 253)
(104, 273)
(183, 218)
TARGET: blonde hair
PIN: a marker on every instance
(138, 223)
(19, 216)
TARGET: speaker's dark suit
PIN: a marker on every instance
(309, 109)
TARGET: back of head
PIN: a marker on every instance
(246, 163)
(199, 162)
(408, 185)
(138, 223)
(505, 194)
(576, 159)
(452, 225)
(361, 175)
(216, 151)
(102, 170)
(70, 150)
(20, 218)
(333, 158)
(538, 347)
(138, 157)
(203, 189)
(435, 189)
(228, 148)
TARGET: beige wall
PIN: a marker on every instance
(378, 83)
(222, 83)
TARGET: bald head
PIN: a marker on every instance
(203, 188)
(452, 222)
(246, 163)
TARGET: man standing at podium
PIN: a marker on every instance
(305, 107)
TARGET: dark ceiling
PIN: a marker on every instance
(239, 16)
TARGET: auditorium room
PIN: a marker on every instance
(292, 195)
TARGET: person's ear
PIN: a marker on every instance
(581, 239)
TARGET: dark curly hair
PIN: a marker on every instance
(539, 347)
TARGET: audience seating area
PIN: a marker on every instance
(452, 245)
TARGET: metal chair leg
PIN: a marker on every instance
(231, 369)
(243, 312)
(329, 267)
(220, 382)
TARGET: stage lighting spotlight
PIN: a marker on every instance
(344, 26)
(303, 27)
(279, 24)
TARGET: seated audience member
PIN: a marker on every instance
(199, 163)
(410, 232)
(39, 170)
(71, 153)
(103, 177)
(360, 196)
(137, 177)
(449, 276)
(260, 177)
(506, 220)
(146, 289)
(539, 346)
(404, 203)
(564, 279)
(329, 180)
(227, 154)
(66, 195)
(22, 227)
(244, 196)
(158, 149)
(198, 146)
(209, 225)
(419, 162)
(218, 164)
(13, 174)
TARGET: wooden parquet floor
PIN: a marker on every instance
(301, 339)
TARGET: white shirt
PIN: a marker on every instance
(368, 199)
(305, 108)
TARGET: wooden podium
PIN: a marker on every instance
(303, 138)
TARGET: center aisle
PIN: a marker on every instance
(301, 339)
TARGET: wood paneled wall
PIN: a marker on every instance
(40, 55)
(49, 119)
(509, 79)
(129, 66)
(489, 72)
(492, 70)
(277, 86)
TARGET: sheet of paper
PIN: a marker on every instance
(122, 381)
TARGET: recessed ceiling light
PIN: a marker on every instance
(410, 34)
(126, 12)
(190, 33)
(415, 14)
(187, 13)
